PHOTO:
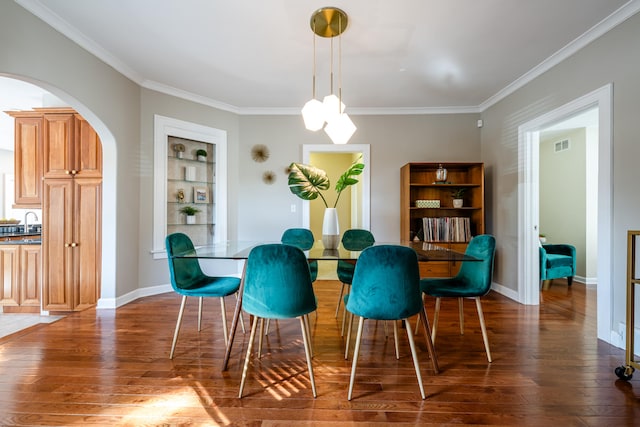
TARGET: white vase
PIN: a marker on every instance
(330, 229)
(202, 158)
(457, 203)
(191, 219)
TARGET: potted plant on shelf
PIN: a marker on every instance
(201, 155)
(179, 150)
(190, 212)
(307, 182)
(457, 195)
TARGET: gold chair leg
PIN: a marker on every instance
(307, 351)
(200, 314)
(436, 315)
(485, 338)
(178, 323)
(224, 322)
(355, 357)
(241, 318)
(246, 359)
(461, 314)
(429, 339)
(412, 344)
(395, 339)
(339, 300)
(307, 324)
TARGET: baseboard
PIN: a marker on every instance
(509, 293)
(111, 303)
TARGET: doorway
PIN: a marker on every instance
(528, 202)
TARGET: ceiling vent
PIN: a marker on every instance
(561, 145)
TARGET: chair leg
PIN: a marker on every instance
(241, 318)
(344, 318)
(339, 300)
(484, 328)
(429, 339)
(348, 341)
(304, 326)
(224, 322)
(395, 339)
(246, 359)
(436, 315)
(260, 335)
(178, 323)
(461, 314)
(200, 314)
(412, 344)
(570, 280)
(307, 322)
(355, 357)
(418, 320)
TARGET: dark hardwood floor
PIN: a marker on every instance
(110, 367)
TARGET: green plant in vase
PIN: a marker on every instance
(190, 212)
(201, 155)
(458, 194)
(308, 182)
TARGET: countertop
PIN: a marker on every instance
(20, 238)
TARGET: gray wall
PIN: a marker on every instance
(563, 193)
(613, 58)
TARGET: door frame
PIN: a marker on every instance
(528, 202)
(365, 177)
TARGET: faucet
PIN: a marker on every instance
(26, 223)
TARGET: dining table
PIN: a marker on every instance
(240, 250)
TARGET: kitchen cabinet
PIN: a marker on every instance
(28, 144)
(72, 147)
(20, 278)
(71, 243)
(427, 212)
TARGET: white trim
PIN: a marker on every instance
(365, 179)
(163, 128)
(528, 210)
(112, 303)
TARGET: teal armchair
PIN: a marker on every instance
(557, 261)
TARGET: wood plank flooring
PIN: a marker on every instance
(109, 367)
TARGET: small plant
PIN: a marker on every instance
(458, 193)
(189, 210)
(201, 152)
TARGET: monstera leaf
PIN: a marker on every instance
(306, 181)
(346, 179)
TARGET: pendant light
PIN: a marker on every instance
(329, 22)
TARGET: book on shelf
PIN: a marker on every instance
(446, 229)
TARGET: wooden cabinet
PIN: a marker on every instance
(20, 278)
(9, 276)
(73, 147)
(52, 143)
(427, 212)
(71, 241)
(28, 143)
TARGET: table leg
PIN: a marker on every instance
(236, 317)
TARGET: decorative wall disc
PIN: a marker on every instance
(269, 177)
(259, 153)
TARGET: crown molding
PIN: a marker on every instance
(625, 12)
(616, 18)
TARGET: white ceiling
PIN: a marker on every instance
(256, 57)
(249, 55)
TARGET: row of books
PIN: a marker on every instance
(446, 229)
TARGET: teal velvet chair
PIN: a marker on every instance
(353, 240)
(472, 281)
(303, 239)
(386, 286)
(277, 285)
(557, 261)
(188, 280)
